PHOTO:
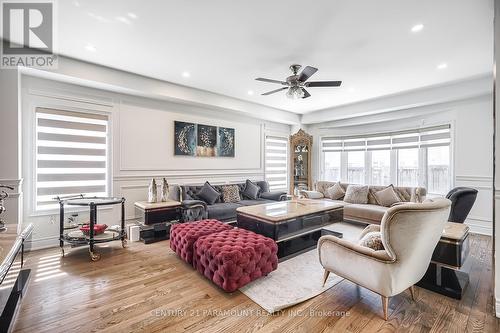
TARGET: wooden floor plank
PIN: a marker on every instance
(147, 288)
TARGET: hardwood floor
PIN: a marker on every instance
(146, 288)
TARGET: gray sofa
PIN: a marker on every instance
(371, 212)
(226, 211)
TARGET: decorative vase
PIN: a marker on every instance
(152, 192)
(164, 190)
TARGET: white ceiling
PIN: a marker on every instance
(226, 44)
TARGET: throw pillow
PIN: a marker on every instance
(251, 190)
(208, 194)
(373, 240)
(387, 197)
(230, 193)
(356, 194)
(335, 192)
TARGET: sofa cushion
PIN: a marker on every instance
(364, 213)
(251, 190)
(230, 193)
(223, 211)
(264, 186)
(372, 240)
(356, 194)
(387, 197)
(335, 192)
(208, 194)
(312, 194)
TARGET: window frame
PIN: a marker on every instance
(287, 157)
(422, 168)
(30, 158)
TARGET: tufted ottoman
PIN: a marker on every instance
(235, 257)
(183, 236)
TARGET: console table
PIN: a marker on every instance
(13, 276)
(443, 275)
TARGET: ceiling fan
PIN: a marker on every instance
(296, 83)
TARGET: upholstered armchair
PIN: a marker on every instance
(409, 234)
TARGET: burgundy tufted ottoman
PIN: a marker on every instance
(235, 257)
(183, 236)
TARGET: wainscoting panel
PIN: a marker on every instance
(480, 219)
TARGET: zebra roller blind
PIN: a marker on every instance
(423, 137)
(71, 155)
(276, 162)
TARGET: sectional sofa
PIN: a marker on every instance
(226, 211)
(371, 212)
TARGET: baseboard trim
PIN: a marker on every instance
(497, 308)
(42, 243)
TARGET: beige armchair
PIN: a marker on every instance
(409, 233)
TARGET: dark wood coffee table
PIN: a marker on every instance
(295, 225)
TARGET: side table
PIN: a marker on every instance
(156, 219)
(443, 275)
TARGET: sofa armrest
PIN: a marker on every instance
(353, 249)
(194, 210)
(276, 195)
(312, 194)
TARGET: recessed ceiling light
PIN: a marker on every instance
(90, 48)
(442, 65)
(250, 92)
(417, 27)
(186, 74)
(132, 15)
(122, 19)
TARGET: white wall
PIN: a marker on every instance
(472, 126)
(142, 140)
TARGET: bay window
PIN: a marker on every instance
(420, 157)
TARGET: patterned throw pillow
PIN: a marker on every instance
(356, 194)
(230, 193)
(373, 240)
(387, 197)
(335, 192)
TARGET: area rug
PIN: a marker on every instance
(296, 280)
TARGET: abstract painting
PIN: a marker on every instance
(185, 138)
(225, 144)
(207, 140)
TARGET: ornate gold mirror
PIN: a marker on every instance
(300, 162)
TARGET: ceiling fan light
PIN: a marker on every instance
(295, 93)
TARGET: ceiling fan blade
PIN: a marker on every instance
(271, 81)
(274, 91)
(306, 93)
(323, 84)
(307, 73)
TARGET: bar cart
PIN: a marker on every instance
(90, 239)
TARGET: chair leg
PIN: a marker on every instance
(385, 305)
(325, 277)
(412, 292)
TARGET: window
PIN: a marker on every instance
(356, 167)
(419, 157)
(332, 166)
(408, 167)
(438, 169)
(71, 155)
(276, 162)
(381, 167)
